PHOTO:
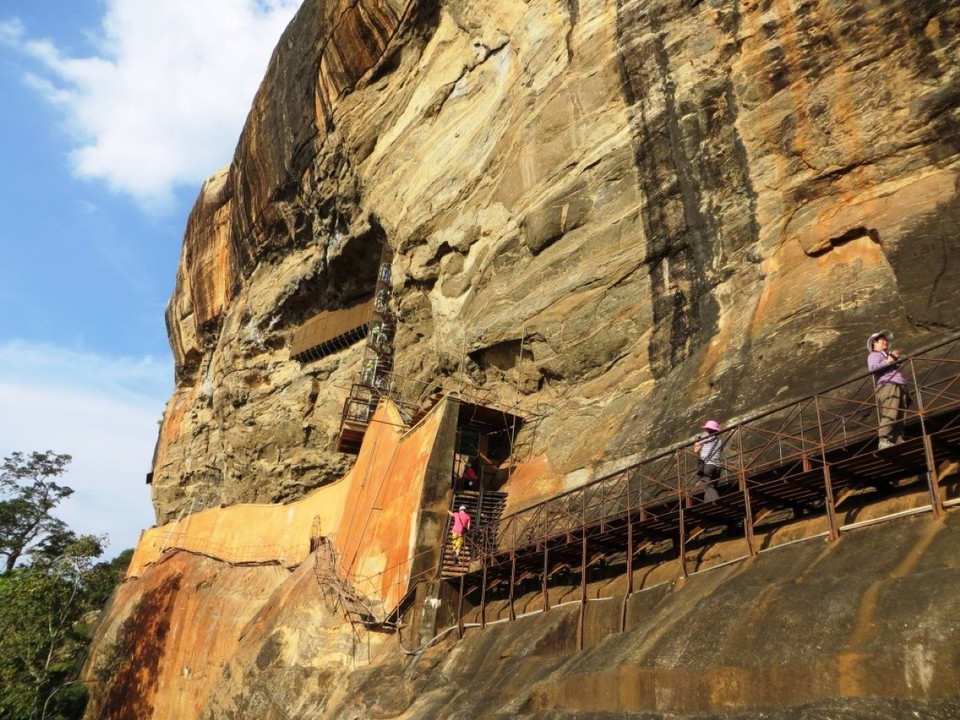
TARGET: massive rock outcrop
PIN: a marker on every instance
(617, 217)
(621, 216)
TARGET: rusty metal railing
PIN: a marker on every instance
(792, 443)
(806, 455)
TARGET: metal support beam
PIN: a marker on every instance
(831, 506)
(583, 593)
(483, 593)
(460, 610)
(681, 502)
(544, 578)
(933, 478)
(513, 582)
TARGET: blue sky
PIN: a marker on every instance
(113, 114)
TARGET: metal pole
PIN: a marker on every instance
(745, 489)
(513, 578)
(460, 610)
(543, 584)
(683, 533)
(629, 545)
(827, 482)
(933, 475)
(830, 505)
(583, 590)
(933, 480)
(626, 597)
(483, 594)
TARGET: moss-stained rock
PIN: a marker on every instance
(622, 216)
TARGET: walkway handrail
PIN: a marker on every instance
(529, 524)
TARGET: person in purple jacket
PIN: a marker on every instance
(892, 395)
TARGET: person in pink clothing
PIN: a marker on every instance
(461, 523)
(709, 448)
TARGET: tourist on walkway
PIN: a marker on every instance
(892, 395)
(461, 523)
(709, 447)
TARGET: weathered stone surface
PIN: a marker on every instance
(249, 641)
(622, 216)
(863, 628)
(871, 619)
(624, 213)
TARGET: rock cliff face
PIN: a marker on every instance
(622, 216)
(618, 218)
(863, 629)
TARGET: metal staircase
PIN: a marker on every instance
(486, 509)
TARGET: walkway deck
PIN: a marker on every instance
(801, 459)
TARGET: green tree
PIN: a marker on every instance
(105, 576)
(50, 581)
(28, 494)
(42, 639)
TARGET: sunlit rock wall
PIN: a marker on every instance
(622, 216)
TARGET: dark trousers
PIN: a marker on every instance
(892, 403)
(706, 475)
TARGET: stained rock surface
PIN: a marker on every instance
(862, 629)
(620, 217)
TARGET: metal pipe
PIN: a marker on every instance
(543, 585)
(460, 610)
(513, 580)
(683, 534)
(933, 476)
(583, 591)
(483, 592)
(891, 516)
(831, 506)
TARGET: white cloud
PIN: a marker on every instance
(102, 411)
(163, 101)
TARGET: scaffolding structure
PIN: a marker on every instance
(376, 376)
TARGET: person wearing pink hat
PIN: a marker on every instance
(893, 397)
(709, 447)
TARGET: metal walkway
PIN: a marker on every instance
(802, 459)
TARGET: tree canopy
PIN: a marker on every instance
(50, 580)
(28, 494)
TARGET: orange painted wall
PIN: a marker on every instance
(371, 515)
(381, 516)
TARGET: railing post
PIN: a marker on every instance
(827, 482)
(583, 590)
(629, 543)
(543, 584)
(933, 479)
(804, 458)
(513, 578)
(483, 593)
(681, 501)
(745, 489)
(460, 610)
(831, 506)
(933, 475)
(626, 597)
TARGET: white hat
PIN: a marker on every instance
(463, 508)
(883, 333)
